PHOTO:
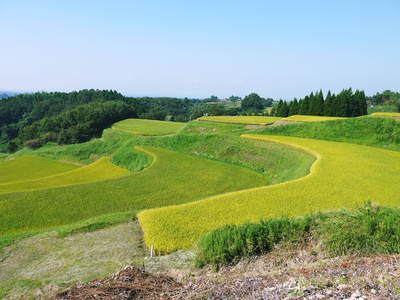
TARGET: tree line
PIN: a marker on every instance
(35, 119)
(345, 104)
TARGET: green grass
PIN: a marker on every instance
(202, 127)
(366, 230)
(172, 179)
(148, 127)
(276, 162)
(100, 170)
(382, 108)
(84, 153)
(30, 168)
(228, 244)
(343, 176)
(377, 132)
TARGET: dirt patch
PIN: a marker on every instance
(282, 274)
(282, 122)
(130, 283)
(255, 126)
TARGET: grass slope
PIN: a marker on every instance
(343, 176)
(252, 120)
(29, 168)
(173, 178)
(148, 127)
(377, 132)
(102, 169)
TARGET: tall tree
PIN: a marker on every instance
(252, 102)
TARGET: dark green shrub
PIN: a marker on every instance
(228, 244)
(363, 231)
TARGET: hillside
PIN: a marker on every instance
(202, 159)
(377, 132)
(182, 181)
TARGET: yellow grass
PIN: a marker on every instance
(344, 175)
(251, 120)
(148, 127)
(101, 169)
(304, 118)
(30, 167)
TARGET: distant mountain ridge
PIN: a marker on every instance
(5, 94)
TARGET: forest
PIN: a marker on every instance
(344, 104)
(32, 120)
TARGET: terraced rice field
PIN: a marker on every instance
(102, 169)
(386, 114)
(251, 120)
(148, 127)
(173, 178)
(304, 118)
(344, 175)
(31, 168)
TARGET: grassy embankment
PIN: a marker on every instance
(382, 108)
(344, 175)
(377, 132)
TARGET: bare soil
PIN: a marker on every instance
(296, 274)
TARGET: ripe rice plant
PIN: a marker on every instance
(386, 114)
(251, 120)
(304, 118)
(101, 169)
(344, 175)
(30, 168)
(148, 127)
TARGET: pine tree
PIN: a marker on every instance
(279, 109)
(320, 105)
(285, 110)
(293, 107)
(316, 107)
(363, 106)
(328, 111)
(305, 106)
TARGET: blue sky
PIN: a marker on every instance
(279, 49)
